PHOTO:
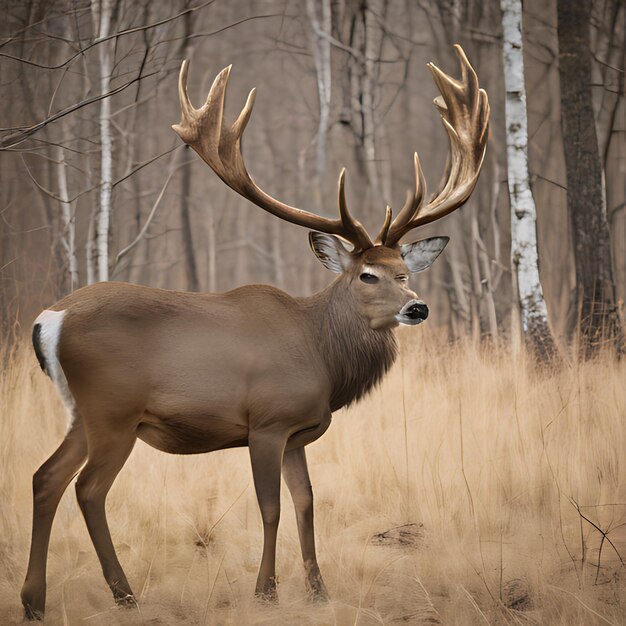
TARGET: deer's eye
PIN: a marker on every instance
(370, 279)
(403, 278)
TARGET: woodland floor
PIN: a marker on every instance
(508, 476)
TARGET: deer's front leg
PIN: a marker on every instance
(296, 476)
(266, 454)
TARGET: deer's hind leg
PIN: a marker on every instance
(108, 450)
(49, 484)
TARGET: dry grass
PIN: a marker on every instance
(492, 456)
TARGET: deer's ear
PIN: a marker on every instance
(420, 255)
(330, 251)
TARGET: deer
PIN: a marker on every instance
(190, 373)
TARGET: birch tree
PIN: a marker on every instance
(524, 253)
(68, 238)
(102, 12)
(321, 56)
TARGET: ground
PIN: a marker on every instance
(471, 488)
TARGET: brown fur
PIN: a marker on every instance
(356, 356)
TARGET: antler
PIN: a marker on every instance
(464, 109)
(219, 146)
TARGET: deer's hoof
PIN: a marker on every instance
(267, 592)
(126, 601)
(269, 598)
(315, 584)
(318, 591)
(320, 597)
(31, 614)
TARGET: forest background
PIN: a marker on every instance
(91, 167)
(486, 486)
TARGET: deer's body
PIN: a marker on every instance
(185, 400)
(193, 372)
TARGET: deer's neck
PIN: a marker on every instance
(356, 356)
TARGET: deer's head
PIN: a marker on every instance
(376, 270)
(378, 277)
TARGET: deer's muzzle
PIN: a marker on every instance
(413, 312)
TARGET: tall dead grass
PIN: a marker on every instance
(514, 477)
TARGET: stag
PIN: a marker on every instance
(195, 372)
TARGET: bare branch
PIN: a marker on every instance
(10, 142)
(107, 38)
(155, 206)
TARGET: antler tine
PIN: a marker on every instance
(202, 128)
(384, 231)
(413, 201)
(183, 96)
(354, 231)
(464, 110)
(219, 146)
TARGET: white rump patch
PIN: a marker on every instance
(51, 323)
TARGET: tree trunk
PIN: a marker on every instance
(321, 56)
(105, 56)
(373, 38)
(460, 301)
(191, 268)
(212, 250)
(364, 38)
(599, 323)
(68, 236)
(524, 252)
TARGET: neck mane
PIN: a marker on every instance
(356, 356)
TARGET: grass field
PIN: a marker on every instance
(511, 476)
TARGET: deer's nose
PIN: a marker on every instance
(413, 312)
(416, 310)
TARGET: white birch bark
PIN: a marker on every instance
(90, 254)
(321, 56)
(105, 57)
(68, 238)
(373, 42)
(524, 253)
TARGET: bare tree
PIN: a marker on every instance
(524, 251)
(102, 11)
(191, 268)
(599, 323)
(68, 209)
(321, 27)
(363, 40)
(51, 64)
